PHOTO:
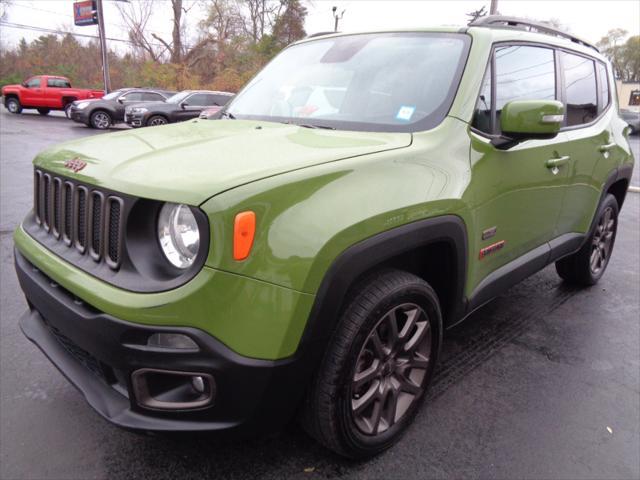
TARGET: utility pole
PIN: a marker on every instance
(103, 48)
(494, 7)
(336, 17)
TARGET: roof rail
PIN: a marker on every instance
(499, 21)
(320, 34)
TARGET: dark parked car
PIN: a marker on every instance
(103, 113)
(182, 106)
(631, 115)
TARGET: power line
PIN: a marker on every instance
(63, 32)
(123, 27)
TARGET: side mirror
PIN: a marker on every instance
(183, 105)
(528, 119)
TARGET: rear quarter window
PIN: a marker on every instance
(580, 89)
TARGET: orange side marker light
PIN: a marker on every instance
(244, 230)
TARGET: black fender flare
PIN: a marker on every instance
(364, 256)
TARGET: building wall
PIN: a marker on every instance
(624, 91)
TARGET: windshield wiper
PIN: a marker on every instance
(308, 125)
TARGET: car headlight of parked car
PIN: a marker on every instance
(82, 105)
(138, 110)
(178, 234)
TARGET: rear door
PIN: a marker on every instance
(516, 197)
(587, 98)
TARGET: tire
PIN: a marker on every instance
(44, 111)
(587, 265)
(100, 120)
(157, 120)
(67, 110)
(350, 406)
(13, 105)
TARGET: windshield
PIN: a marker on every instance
(112, 95)
(178, 97)
(373, 82)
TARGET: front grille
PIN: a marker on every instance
(83, 217)
(99, 369)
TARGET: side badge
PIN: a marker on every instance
(489, 232)
(491, 249)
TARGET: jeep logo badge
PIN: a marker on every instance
(75, 164)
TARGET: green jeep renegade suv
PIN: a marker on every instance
(303, 255)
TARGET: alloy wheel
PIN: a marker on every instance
(157, 121)
(101, 120)
(391, 368)
(12, 106)
(602, 241)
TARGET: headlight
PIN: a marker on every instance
(178, 234)
(82, 105)
(139, 110)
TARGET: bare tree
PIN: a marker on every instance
(136, 16)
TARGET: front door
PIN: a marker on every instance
(516, 193)
(32, 94)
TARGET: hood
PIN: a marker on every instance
(192, 161)
(76, 102)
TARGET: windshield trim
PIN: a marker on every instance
(427, 123)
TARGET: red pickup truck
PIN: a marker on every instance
(45, 93)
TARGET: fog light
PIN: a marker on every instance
(198, 384)
(172, 390)
(176, 341)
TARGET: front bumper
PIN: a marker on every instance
(98, 353)
(77, 115)
(135, 119)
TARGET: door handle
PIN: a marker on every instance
(607, 147)
(556, 162)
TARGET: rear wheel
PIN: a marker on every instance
(13, 105)
(376, 370)
(157, 120)
(44, 111)
(587, 265)
(100, 120)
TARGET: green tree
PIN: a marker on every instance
(624, 56)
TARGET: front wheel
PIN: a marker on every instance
(375, 372)
(157, 120)
(13, 105)
(100, 120)
(587, 265)
(44, 111)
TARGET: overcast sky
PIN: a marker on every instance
(589, 19)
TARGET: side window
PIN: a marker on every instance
(197, 100)
(222, 100)
(580, 86)
(132, 97)
(152, 97)
(33, 83)
(57, 83)
(603, 79)
(523, 73)
(482, 115)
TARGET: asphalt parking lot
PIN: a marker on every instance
(544, 382)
